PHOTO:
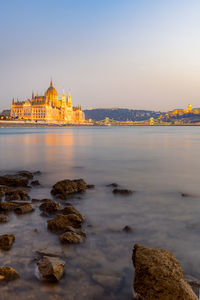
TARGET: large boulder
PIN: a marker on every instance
(158, 275)
(18, 195)
(13, 180)
(8, 273)
(50, 206)
(67, 187)
(51, 268)
(60, 222)
(69, 209)
(6, 241)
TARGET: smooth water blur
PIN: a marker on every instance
(158, 163)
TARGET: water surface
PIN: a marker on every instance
(158, 163)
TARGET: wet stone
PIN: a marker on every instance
(6, 241)
(35, 182)
(67, 187)
(158, 275)
(115, 185)
(25, 208)
(69, 209)
(60, 222)
(3, 219)
(123, 192)
(13, 180)
(50, 206)
(72, 236)
(51, 268)
(8, 273)
(18, 195)
(127, 228)
(90, 186)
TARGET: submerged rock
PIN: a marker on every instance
(60, 222)
(72, 236)
(158, 275)
(122, 192)
(107, 281)
(26, 174)
(41, 200)
(127, 228)
(24, 208)
(115, 185)
(18, 195)
(3, 219)
(7, 206)
(67, 187)
(90, 186)
(6, 241)
(13, 180)
(50, 206)
(8, 273)
(69, 209)
(37, 173)
(51, 268)
(35, 182)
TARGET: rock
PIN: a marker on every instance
(23, 209)
(127, 228)
(35, 182)
(3, 219)
(65, 188)
(69, 209)
(51, 268)
(122, 192)
(90, 186)
(18, 195)
(25, 174)
(72, 236)
(60, 222)
(6, 241)
(8, 273)
(158, 275)
(115, 185)
(7, 206)
(13, 180)
(37, 173)
(50, 206)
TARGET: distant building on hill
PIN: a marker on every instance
(181, 112)
(47, 108)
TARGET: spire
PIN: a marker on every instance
(69, 102)
(13, 102)
(51, 84)
(63, 95)
(32, 94)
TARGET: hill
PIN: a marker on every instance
(120, 114)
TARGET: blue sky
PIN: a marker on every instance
(110, 53)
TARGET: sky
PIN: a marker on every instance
(139, 54)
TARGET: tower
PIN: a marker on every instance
(69, 101)
(63, 99)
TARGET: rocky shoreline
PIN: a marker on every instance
(158, 274)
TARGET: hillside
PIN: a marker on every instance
(120, 114)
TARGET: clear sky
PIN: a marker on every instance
(140, 54)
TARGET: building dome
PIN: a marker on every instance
(51, 92)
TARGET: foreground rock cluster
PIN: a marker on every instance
(66, 222)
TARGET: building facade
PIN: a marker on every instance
(47, 108)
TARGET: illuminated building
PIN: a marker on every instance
(47, 108)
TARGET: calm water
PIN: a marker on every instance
(158, 163)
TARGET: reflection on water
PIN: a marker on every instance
(158, 163)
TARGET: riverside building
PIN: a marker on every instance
(47, 108)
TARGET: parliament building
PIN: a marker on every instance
(47, 108)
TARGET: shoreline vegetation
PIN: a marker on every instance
(158, 274)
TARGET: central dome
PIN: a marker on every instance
(51, 92)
